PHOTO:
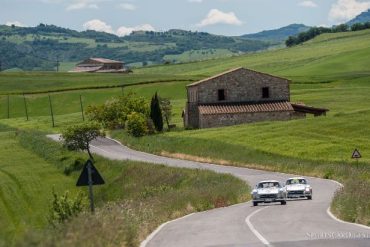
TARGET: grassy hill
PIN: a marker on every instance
(39, 48)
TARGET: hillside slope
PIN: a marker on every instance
(39, 48)
(363, 17)
(277, 35)
(322, 59)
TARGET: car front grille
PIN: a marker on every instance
(268, 196)
(297, 192)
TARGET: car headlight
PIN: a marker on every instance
(307, 189)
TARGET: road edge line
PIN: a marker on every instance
(159, 228)
(254, 231)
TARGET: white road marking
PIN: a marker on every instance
(152, 235)
(251, 227)
(344, 222)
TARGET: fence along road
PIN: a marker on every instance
(299, 223)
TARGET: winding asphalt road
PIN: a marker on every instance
(299, 223)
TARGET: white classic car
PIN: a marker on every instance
(269, 191)
(298, 188)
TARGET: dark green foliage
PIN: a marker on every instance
(360, 26)
(79, 137)
(305, 36)
(156, 113)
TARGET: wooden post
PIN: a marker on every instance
(51, 111)
(122, 90)
(8, 104)
(25, 106)
(82, 109)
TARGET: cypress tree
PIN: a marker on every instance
(156, 113)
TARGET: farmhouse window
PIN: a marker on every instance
(265, 92)
(221, 95)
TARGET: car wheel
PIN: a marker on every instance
(283, 202)
(309, 197)
(255, 204)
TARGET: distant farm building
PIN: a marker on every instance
(241, 96)
(100, 65)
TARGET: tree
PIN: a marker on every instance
(156, 113)
(166, 110)
(79, 137)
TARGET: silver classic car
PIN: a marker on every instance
(269, 191)
(298, 188)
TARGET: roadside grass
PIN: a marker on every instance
(26, 182)
(136, 198)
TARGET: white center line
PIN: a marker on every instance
(251, 227)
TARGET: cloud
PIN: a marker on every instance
(216, 16)
(123, 31)
(101, 26)
(345, 10)
(195, 1)
(15, 23)
(308, 4)
(83, 4)
(127, 6)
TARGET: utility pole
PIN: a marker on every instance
(57, 64)
(25, 106)
(82, 109)
(51, 112)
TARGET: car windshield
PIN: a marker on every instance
(296, 181)
(268, 185)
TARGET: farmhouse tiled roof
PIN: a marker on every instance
(231, 71)
(245, 108)
(104, 60)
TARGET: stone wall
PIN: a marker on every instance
(242, 85)
(219, 120)
(191, 118)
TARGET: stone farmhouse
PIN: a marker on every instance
(241, 96)
(100, 65)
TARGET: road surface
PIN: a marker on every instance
(299, 223)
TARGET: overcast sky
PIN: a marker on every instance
(226, 17)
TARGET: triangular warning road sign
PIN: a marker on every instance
(96, 178)
(356, 154)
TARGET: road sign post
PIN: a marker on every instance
(356, 155)
(90, 177)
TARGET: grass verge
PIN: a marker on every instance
(136, 198)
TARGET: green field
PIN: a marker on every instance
(330, 71)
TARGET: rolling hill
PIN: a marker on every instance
(39, 48)
(277, 35)
(362, 18)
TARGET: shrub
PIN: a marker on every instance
(137, 124)
(75, 166)
(114, 113)
(63, 207)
